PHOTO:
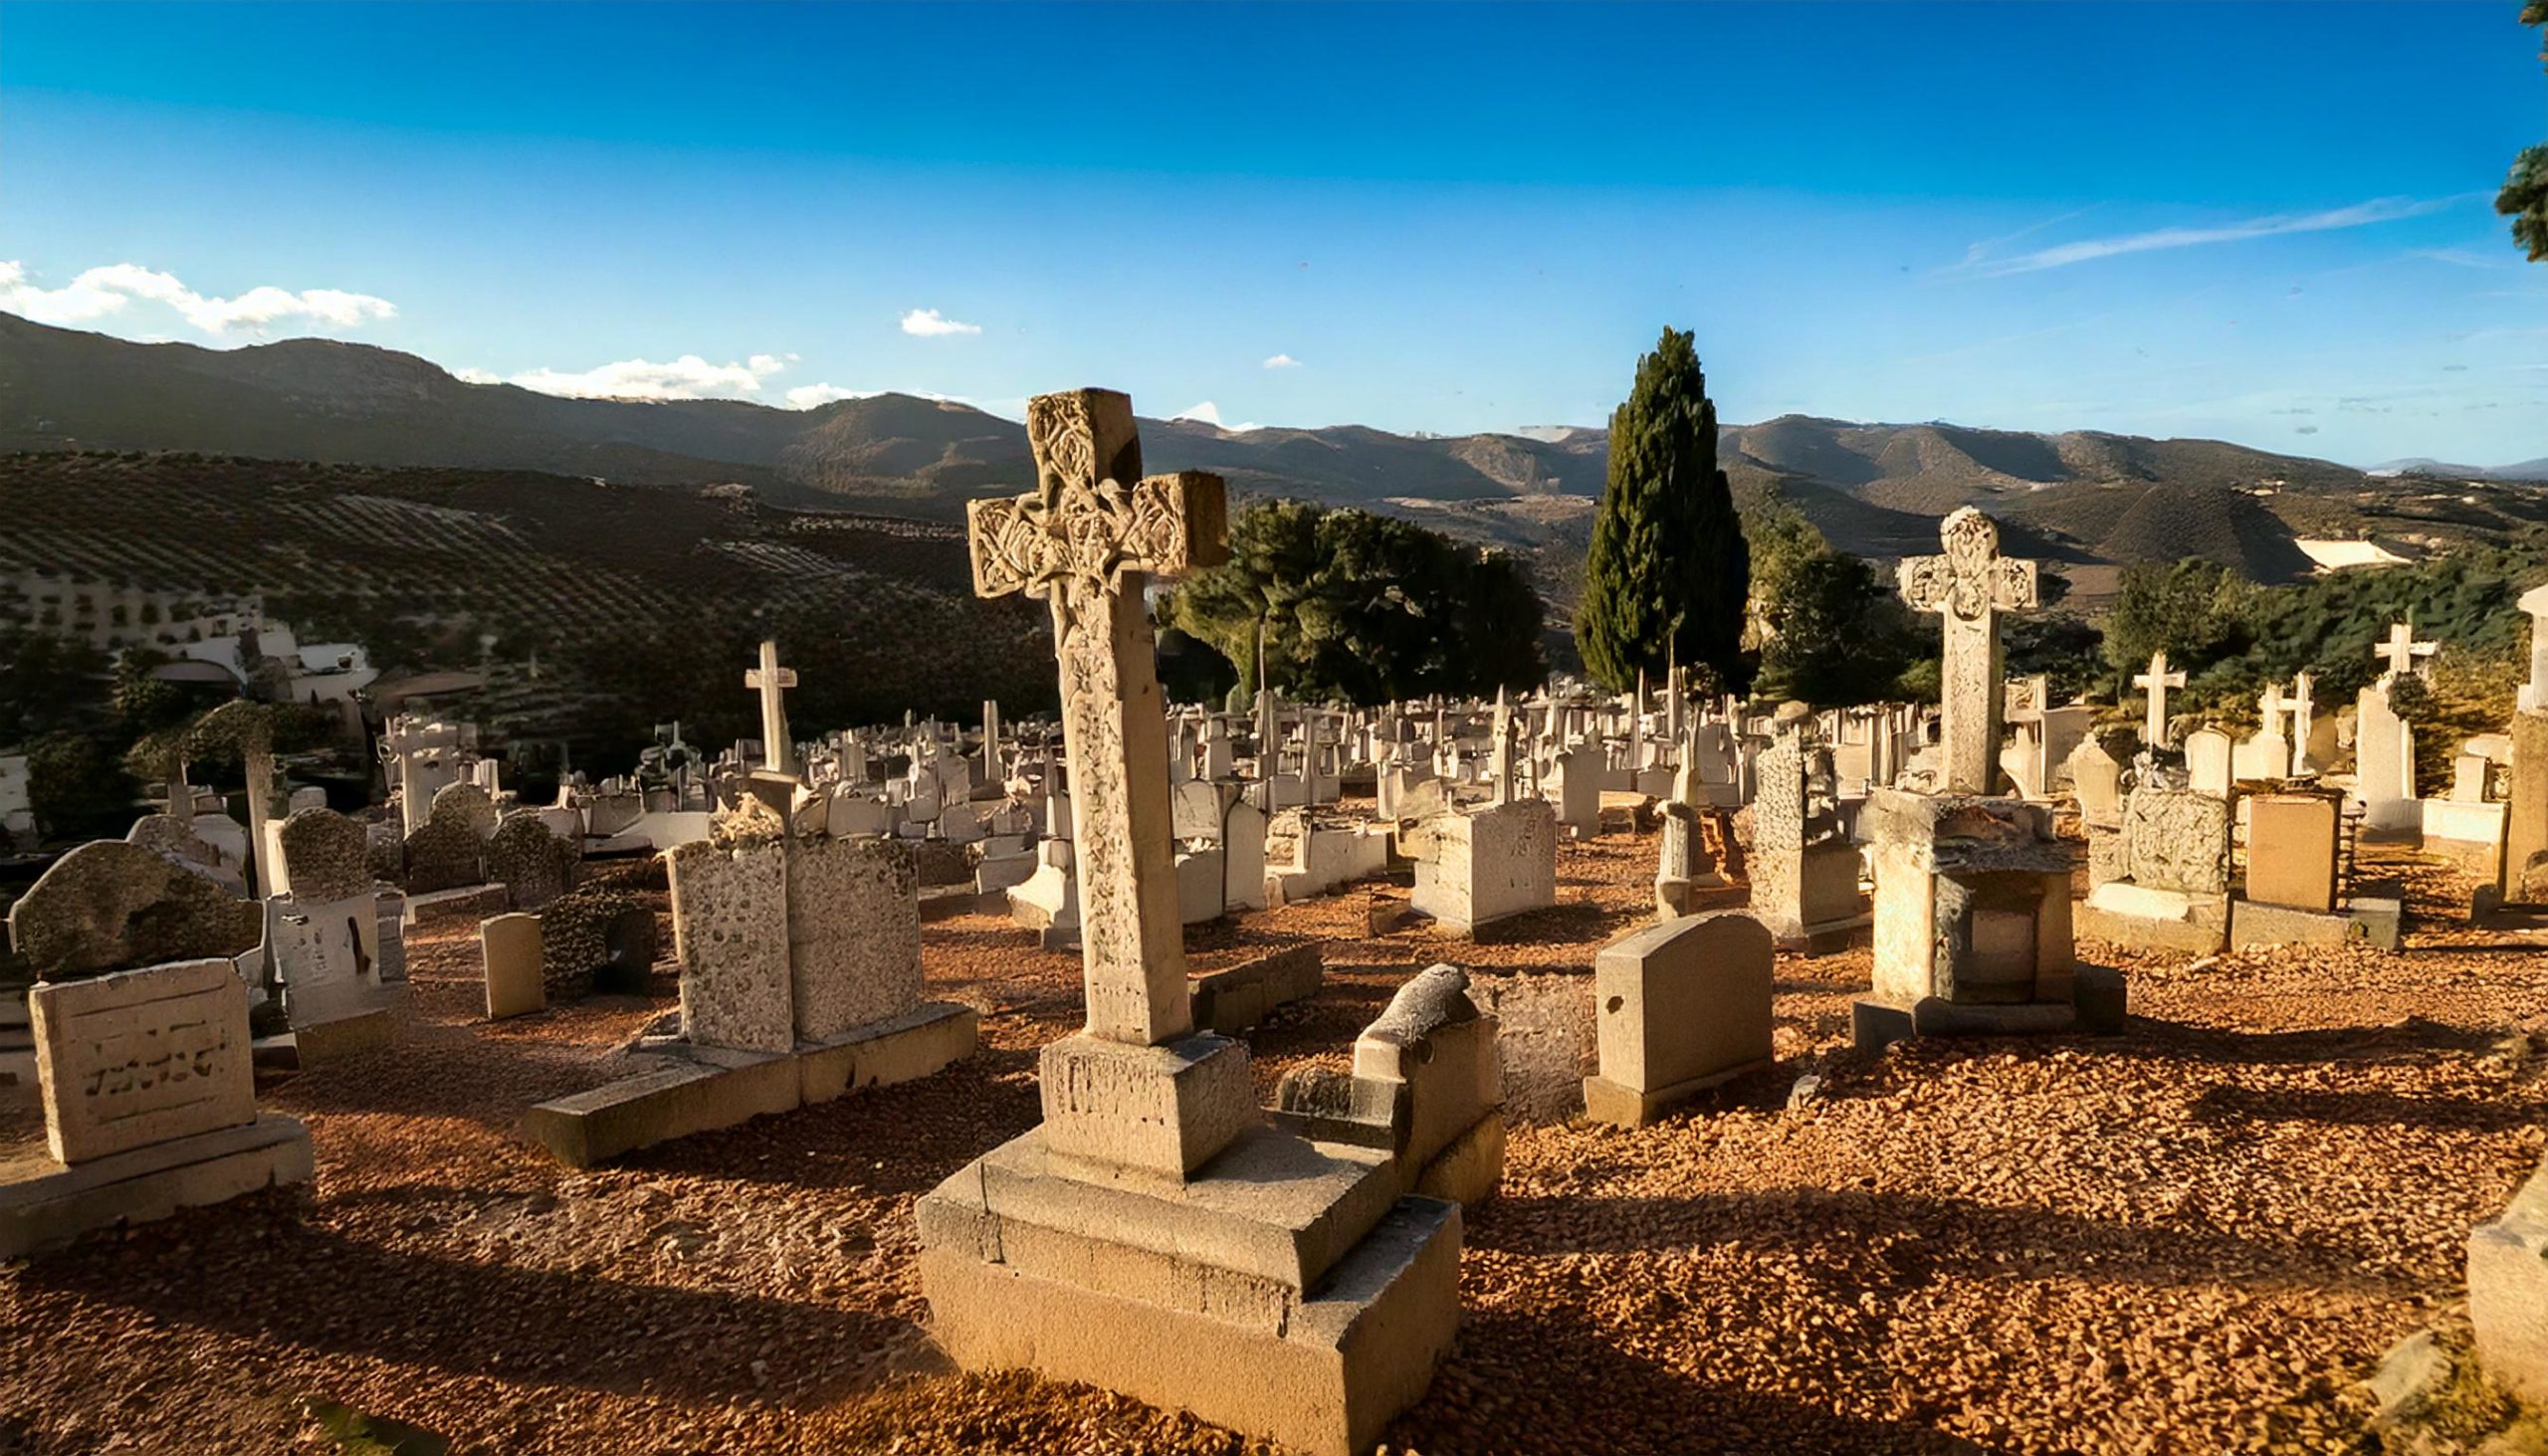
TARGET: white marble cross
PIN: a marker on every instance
(2156, 683)
(2304, 716)
(777, 752)
(1502, 760)
(1087, 540)
(2404, 652)
(1969, 587)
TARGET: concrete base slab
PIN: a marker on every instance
(53, 1204)
(1232, 1000)
(2192, 936)
(1325, 1379)
(906, 1048)
(341, 1037)
(716, 1089)
(1827, 937)
(1610, 1102)
(2369, 920)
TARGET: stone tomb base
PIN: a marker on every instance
(2098, 1007)
(710, 1088)
(44, 1203)
(1286, 1292)
(1237, 997)
(2508, 1292)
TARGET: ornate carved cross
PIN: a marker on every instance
(1087, 540)
(2156, 683)
(778, 748)
(1968, 587)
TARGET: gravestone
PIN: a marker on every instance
(595, 939)
(324, 856)
(466, 805)
(1804, 870)
(1151, 1134)
(1968, 587)
(729, 936)
(113, 906)
(2291, 852)
(1679, 1007)
(2165, 886)
(508, 944)
(533, 865)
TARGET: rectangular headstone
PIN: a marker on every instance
(142, 1057)
(729, 934)
(853, 934)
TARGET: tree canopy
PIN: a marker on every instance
(1362, 607)
(1668, 574)
(1828, 631)
(2524, 198)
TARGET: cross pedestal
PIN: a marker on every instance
(1969, 587)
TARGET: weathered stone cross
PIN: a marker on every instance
(2305, 714)
(2156, 683)
(2403, 649)
(1085, 540)
(1969, 587)
(777, 752)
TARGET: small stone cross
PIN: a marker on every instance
(1969, 587)
(1085, 540)
(2404, 652)
(777, 752)
(2156, 683)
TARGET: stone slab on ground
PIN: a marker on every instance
(2508, 1292)
(1610, 1102)
(55, 1203)
(1237, 997)
(469, 901)
(2099, 1003)
(1325, 1379)
(713, 1087)
(335, 1039)
(2370, 921)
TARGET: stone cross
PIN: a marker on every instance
(2156, 683)
(2404, 652)
(1969, 587)
(2304, 716)
(2270, 708)
(777, 752)
(2535, 694)
(1502, 760)
(1087, 538)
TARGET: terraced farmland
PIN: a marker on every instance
(623, 605)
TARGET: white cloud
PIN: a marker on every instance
(807, 396)
(2360, 214)
(1282, 361)
(930, 323)
(1209, 413)
(108, 290)
(688, 378)
(477, 376)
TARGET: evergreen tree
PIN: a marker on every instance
(2524, 198)
(1668, 573)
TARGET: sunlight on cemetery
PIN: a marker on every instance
(1067, 728)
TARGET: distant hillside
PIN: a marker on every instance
(2088, 499)
(598, 610)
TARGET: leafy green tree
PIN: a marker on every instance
(1668, 574)
(47, 683)
(2194, 611)
(1827, 629)
(1363, 607)
(2524, 198)
(75, 786)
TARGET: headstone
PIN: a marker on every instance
(324, 855)
(2291, 852)
(113, 906)
(729, 934)
(532, 864)
(1679, 1007)
(466, 805)
(510, 945)
(853, 934)
(2208, 763)
(771, 682)
(2155, 683)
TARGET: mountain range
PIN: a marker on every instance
(2088, 500)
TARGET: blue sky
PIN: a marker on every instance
(2270, 223)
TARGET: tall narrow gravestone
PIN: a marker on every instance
(1153, 1236)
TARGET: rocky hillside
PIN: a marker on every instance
(2088, 499)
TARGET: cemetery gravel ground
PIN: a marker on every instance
(2193, 1237)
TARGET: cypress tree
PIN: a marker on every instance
(1668, 573)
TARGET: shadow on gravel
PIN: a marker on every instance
(521, 1326)
(1902, 1240)
(1508, 1388)
(2363, 1109)
(2412, 1038)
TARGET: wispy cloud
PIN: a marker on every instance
(1988, 246)
(930, 323)
(687, 377)
(111, 289)
(1210, 414)
(2360, 214)
(1282, 361)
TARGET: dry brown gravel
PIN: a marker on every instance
(2191, 1238)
